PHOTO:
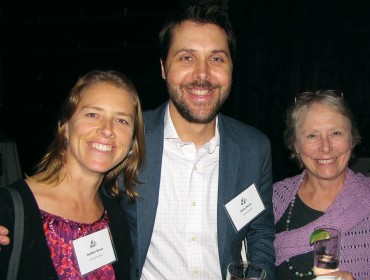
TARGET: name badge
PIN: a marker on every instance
(245, 207)
(94, 251)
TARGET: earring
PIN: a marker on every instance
(130, 153)
(66, 141)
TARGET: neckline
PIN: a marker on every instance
(65, 220)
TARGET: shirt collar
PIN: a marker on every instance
(170, 133)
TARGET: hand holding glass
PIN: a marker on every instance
(326, 253)
(244, 271)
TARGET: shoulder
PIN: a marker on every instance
(239, 129)
(285, 189)
(6, 200)
(360, 182)
(244, 136)
(238, 126)
(360, 177)
(283, 192)
(288, 181)
(30, 205)
(20, 186)
(154, 115)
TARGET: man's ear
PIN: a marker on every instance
(163, 71)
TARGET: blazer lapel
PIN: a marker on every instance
(227, 183)
(150, 177)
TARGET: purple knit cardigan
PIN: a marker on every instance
(350, 212)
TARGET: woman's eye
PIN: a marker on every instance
(337, 133)
(122, 121)
(311, 136)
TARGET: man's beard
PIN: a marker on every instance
(185, 109)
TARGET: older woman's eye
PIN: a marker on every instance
(311, 136)
(337, 133)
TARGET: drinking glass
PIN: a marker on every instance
(326, 252)
(244, 270)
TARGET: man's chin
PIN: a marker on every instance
(203, 118)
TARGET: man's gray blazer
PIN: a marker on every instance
(245, 158)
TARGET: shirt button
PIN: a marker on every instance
(193, 238)
(195, 271)
(195, 168)
(194, 203)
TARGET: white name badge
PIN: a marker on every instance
(94, 251)
(245, 207)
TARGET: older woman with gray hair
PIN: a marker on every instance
(321, 134)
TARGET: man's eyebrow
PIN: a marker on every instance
(185, 50)
(220, 51)
(193, 51)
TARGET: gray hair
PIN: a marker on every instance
(295, 116)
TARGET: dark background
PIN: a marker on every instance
(284, 47)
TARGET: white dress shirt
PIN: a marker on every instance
(184, 241)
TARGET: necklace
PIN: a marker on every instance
(290, 266)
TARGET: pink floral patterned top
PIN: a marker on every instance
(60, 233)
